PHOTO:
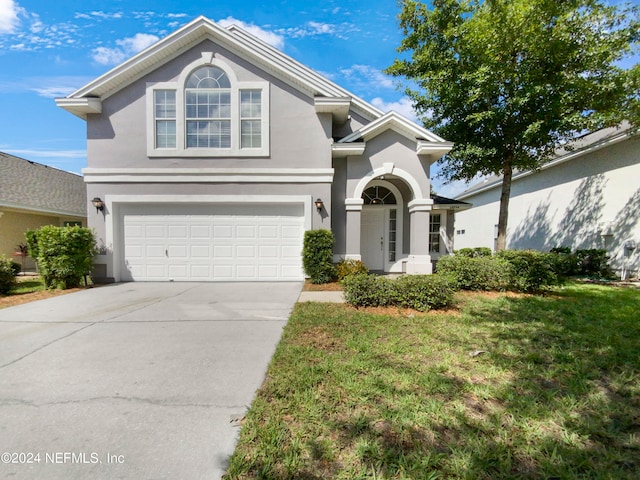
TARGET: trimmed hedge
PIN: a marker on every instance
(317, 256)
(350, 267)
(532, 271)
(476, 273)
(474, 252)
(64, 254)
(420, 292)
(7, 275)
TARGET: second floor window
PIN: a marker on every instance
(208, 109)
(208, 113)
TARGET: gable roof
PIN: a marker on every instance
(32, 186)
(88, 98)
(580, 146)
(428, 143)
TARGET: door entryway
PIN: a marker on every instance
(372, 238)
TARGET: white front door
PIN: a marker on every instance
(372, 237)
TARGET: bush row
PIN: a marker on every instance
(420, 292)
(521, 270)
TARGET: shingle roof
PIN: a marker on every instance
(33, 186)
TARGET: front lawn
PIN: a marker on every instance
(508, 387)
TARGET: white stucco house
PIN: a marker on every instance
(586, 197)
(211, 152)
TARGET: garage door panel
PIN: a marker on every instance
(245, 251)
(223, 231)
(213, 242)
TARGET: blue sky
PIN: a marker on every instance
(50, 48)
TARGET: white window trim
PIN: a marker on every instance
(444, 245)
(179, 86)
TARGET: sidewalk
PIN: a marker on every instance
(324, 297)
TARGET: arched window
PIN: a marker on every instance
(208, 108)
(208, 113)
(378, 195)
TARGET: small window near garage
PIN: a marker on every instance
(434, 233)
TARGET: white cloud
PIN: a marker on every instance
(402, 106)
(273, 39)
(9, 20)
(366, 78)
(312, 28)
(125, 49)
(98, 15)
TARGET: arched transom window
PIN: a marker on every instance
(208, 109)
(378, 195)
(209, 113)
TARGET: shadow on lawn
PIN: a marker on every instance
(556, 396)
(571, 408)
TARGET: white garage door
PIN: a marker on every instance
(213, 242)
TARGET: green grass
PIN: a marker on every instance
(28, 285)
(352, 395)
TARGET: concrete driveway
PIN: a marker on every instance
(135, 380)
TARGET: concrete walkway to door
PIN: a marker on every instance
(135, 380)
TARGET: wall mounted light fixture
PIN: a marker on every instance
(98, 203)
(319, 205)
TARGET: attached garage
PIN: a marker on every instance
(211, 242)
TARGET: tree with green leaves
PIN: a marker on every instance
(509, 80)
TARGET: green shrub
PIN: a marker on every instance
(474, 252)
(32, 243)
(7, 277)
(350, 267)
(593, 263)
(476, 273)
(420, 292)
(16, 268)
(317, 256)
(367, 290)
(64, 254)
(531, 271)
(423, 292)
(565, 263)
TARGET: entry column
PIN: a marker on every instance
(419, 261)
(354, 213)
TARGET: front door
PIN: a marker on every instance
(372, 239)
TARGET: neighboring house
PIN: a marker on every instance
(586, 197)
(33, 195)
(213, 152)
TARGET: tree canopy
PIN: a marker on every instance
(509, 80)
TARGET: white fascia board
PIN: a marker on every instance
(395, 121)
(338, 107)
(208, 175)
(456, 207)
(434, 149)
(343, 150)
(80, 107)
(558, 161)
(21, 208)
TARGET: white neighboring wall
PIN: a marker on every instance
(588, 198)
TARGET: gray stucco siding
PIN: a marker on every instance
(117, 138)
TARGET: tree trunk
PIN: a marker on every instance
(503, 217)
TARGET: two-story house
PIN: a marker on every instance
(211, 152)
